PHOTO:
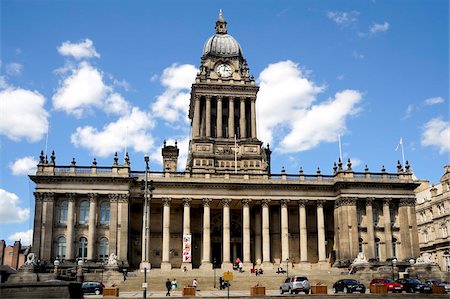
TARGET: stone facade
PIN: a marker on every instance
(433, 219)
(228, 200)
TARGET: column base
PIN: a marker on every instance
(226, 266)
(166, 266)
(186, 266)
(323, 264)
(206, 266)
(247, 266)
(303, 266)
(267, 266)
(145, 265)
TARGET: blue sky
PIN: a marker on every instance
(105, 74)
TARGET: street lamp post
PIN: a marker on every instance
(411, 262)
(394, 263)
(146, 159)
(287, 268)
(214, 267)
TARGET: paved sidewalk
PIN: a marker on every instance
(210, 294)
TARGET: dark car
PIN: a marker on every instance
(92, 287)
(412, 285)
(348, 286)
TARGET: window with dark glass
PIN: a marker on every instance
(104, 213)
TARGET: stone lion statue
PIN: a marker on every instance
(112, 260)
(31, 259)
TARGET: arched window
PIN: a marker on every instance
(60, 248)
(63, 212)
(377, 248)
(376, 215)
(360, 245)
(394, 247)
(104, 213)
(82, 248)
(84, 212)
(426, 236)
(444, 231)
(103, 252)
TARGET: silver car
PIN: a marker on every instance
(295, 284)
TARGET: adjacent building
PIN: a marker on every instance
(228, 203)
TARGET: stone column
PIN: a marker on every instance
(208, 116)
(303, 231)
(337, 229)
(258, 254)
(266, 233)
(165, 264)
(219, 117)
(370, 251)
(231, 118)
(387, 227)
(253, 117)
(123, 235)
(37, 227)
(226, 259)
(284, 230)
(405, 236)
(206, 260)
(186, 226)
(344, 233)
(70, 226)
(321, 247)
(415, 250)
(49, 204)
(242, 128)
(113, 220)
(92, 225)
(353, 227)
(246, 233)
(196, 120)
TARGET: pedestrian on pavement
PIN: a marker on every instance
(194, 283)
(174, 285)
(168, 287)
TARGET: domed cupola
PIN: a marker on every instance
(222, 44)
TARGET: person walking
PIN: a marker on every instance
(195, 283)
(168, 287)
(174, 285)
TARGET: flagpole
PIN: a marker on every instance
(403, 154)
(46, 140)
(126, 143)
(340, 147)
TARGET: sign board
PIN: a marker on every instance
(228, 276)
(187, 241)
(144, 285)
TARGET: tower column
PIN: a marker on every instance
(226, 262)
(303, 231)
(196, 120)
(370, 251)
(70, 225)
(37, 227)
(113, 208)
(242, 131)
(123, 235)
(284, 230)
(405, 236)
(231, 118)
(246, 232)
(92, 224)
(387, 227)
(219, 117)
(49, 204)
(165, 265)
(206, 260)
(253, 117)
(415, 250)
(208, 116)
(321, 232)
(266, 233)
(258, 255)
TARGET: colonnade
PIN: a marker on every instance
(205, 117)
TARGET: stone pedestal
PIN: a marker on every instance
(145, 265)
(206, 266)
(166, 266)
(267, 266)
(303, 266)
(227, 266)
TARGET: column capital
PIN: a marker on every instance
(49, 196)
(124, 198)
(407, 202)
(206, 202)
(345, 201)
(284, 202)
(226, 202)
(219, 98)
(386, 201)
(302, 202)
(197, 97)
(231, 99)
(71, 196)
(92, 197)
(113, 197)
(187, 202)
(39, 196)
(369, 201)
(320, 202)
(245, 202)
(166, 201)
(265, 202)
(208, 97)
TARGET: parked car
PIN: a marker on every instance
(439, 282)
(391, 285)
(295, 284)
(348, 286)
(412, 285)
(92, 287)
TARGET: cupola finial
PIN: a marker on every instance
(221, 24)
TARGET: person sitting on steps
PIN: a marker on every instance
(280, 270)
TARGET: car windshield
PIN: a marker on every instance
(414, 280)
(388, 280)
(300, 278)
(351, 281)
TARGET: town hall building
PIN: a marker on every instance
(228, 203)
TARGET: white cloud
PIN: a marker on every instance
(83, 49)
(343, 18)
(24, 166)
(173, 104)
(3, 83)
(25, 237)
(408, 112)
(80, 91)
(434, 101)
(10, 212)
(436, 133)
(379, 27)
(113, 137)
(116, 104)
(285, 103)
(14, 69)
(357, 55)
(23, 114)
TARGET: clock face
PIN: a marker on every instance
(224, 70)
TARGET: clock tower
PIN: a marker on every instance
(223, 111)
